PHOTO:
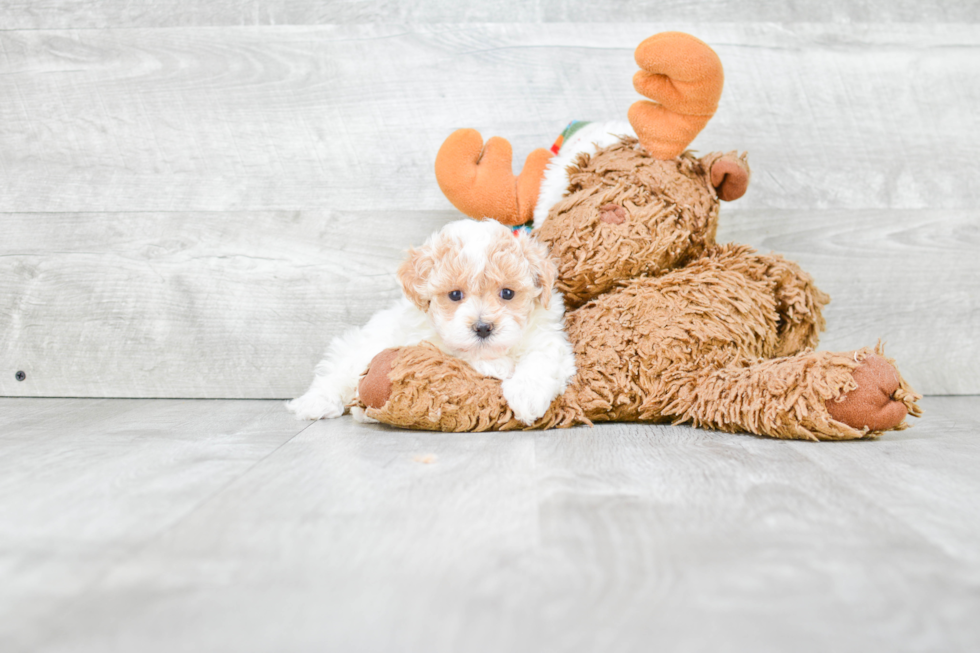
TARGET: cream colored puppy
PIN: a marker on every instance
(478, 292)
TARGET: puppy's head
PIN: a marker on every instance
(479, 283)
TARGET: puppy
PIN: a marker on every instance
(476, 291)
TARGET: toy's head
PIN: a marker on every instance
(641, 206)
(627, 214)
(682, 77)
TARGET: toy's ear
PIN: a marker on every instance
(543, 267)
(683, 76)
(729, 174)
(413, 275)
(479, 181)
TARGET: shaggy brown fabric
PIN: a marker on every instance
(666, 325)
(695, 346)
(784, 397)
(669, 211)
(433, 391)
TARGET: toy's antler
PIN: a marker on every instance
(684, 77)
(680, 73)
(479, 181)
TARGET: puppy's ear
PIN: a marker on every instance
(543, 267)
(414, 273)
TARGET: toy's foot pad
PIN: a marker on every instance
(374, 388)
(873, 404)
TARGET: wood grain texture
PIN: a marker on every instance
(86, 483)
(195, 212)
(190, 305)
(244, 304)
(350, 117)
(351, 537)
(77, 14)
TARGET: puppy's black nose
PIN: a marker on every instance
(483, 329)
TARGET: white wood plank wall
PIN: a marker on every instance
(52, 14)
(196, 196)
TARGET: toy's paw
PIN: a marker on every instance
(874, 404)
(730, 176)
(315, 405)
(375, 386)
(526, 398)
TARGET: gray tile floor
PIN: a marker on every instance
(168, 525)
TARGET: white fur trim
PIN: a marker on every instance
(589, 139)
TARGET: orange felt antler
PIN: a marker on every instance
(479, 181)
(684, 77)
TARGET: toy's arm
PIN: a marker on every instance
(421, 387)
(836, 396)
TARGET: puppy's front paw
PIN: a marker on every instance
(314, 405)
(360, 415)
(528, 398)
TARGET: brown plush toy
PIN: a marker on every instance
(667, 325)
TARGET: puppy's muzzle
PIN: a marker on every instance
(483, 330)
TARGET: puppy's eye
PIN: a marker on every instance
(507, 293)
(456, 295)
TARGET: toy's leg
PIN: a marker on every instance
(799, 302)
(422, 388)
(699, 345)
(810, 396)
